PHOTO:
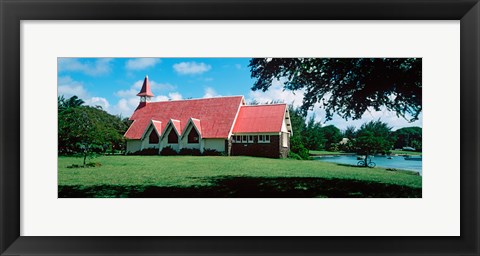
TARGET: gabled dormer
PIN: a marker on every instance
(192, 133)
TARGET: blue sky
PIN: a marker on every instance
(114, 82)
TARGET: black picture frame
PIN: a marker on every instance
(13, 11)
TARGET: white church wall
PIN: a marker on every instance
(146, 140)
(217, 144)
(134, 146)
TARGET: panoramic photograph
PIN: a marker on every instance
(239, 127)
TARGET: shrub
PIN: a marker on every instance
(293, 155)
(146, 151)
(189, 152)
(168, 151)
(297, 147)
(211, 152)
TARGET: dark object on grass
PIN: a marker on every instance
(212, 152)
(190, 152)
(146, 151)
(93, 165)
(168, 151)
(87, 165)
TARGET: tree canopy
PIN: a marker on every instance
(85, 129)
(306, 135)
(373, 137)
(350, 132)
(332, 137)
(71, 102)
(313, 135)
(408, 137)
(347, 86)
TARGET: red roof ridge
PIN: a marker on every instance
(152, 123)
(242, 103)
(131, 125)
(177, 129)
(158, 129)
(198, 126)
(263, 105)
(235, 96)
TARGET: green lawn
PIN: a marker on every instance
(191, 176)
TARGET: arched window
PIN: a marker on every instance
(172, 137)
(153, 139)
(193, 136)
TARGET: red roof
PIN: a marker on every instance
(260, 118)
(145, 91)
(215, 114)
(196, 122)
(157, 125)
(176, 124)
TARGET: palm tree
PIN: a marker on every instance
(74, 101)
(71, 102)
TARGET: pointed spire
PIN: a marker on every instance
(146, 91)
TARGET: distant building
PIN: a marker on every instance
(344, 141)
(224, 124)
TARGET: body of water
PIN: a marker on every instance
(396, 162)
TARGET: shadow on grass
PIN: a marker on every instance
(250, 187)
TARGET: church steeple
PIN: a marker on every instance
(145, 93)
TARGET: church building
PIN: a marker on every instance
(224, 124)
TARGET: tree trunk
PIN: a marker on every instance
(366, 160)
(84, 158)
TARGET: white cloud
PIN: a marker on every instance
(277, 93)
(161, 98)
(191, 68)
(238, 66)
(98, 101)
(89, 67)
(125, 106)
(138, 84)
(129, 100)
(210, 93)
(135, 88)
(127, 93)
(384, 115)
(170, 96)
(69, 87)
(141, 63)
(175, 96)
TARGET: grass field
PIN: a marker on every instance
(190, 176)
